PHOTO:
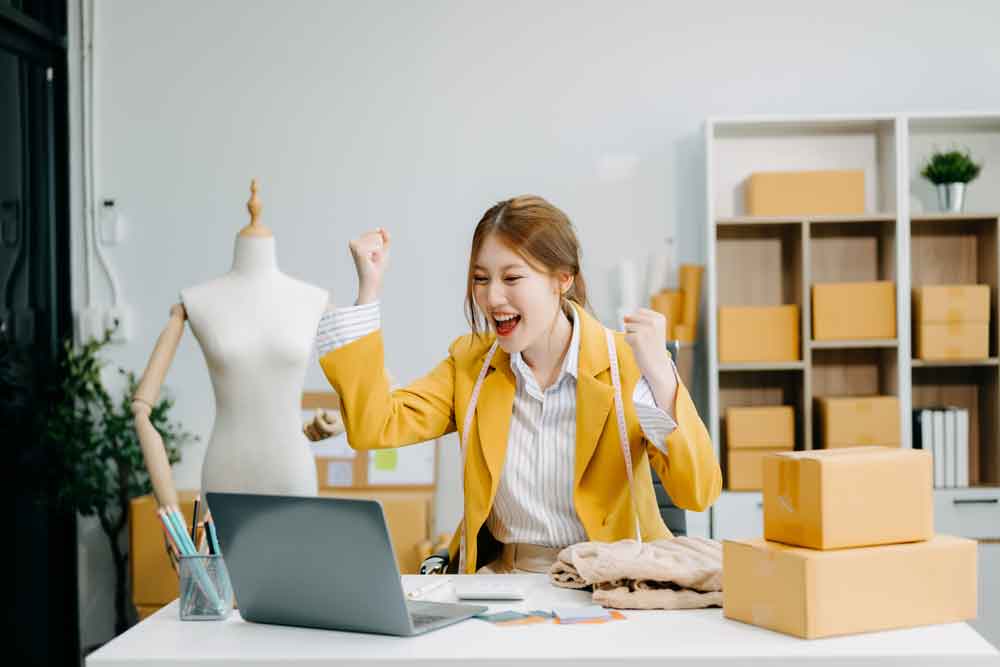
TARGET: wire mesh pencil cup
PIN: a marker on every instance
(206, 594)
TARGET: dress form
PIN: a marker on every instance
(255, 326)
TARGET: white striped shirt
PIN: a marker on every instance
(534, 500)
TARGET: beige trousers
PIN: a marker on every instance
(522, 559)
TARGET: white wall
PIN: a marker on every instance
(417, 116)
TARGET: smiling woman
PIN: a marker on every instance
(531, 391)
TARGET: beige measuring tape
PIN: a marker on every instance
(622, 434)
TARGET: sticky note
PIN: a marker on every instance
(386, 459)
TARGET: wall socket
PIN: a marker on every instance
(93, 322)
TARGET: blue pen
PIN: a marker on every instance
(212, 537)
(179, 533)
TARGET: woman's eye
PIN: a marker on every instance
(512, 279)
(480, 280)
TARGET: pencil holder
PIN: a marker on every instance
(206, 592)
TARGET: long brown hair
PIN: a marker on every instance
(537, 231)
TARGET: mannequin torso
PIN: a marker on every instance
(256, 327)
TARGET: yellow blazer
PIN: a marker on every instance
(377, 418)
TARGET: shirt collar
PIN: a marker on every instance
(571, 362)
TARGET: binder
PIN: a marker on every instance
(962, 447)
(937, 442)
(950, 454)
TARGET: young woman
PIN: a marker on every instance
(543, 462)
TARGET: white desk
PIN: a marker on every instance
(678, 637)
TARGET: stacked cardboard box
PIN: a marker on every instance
(851, 421)
(951, 322)
(845, 311)
(680, 306)
(849, 547)
(751, 434)
(759, 333)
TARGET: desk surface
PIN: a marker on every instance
(652, 637)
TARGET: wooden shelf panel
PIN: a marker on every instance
(762, 366)
(921, 218)
(861, 343)
(750, 220)
(953, 363)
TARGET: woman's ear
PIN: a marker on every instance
(565, 282)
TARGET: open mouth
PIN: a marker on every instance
(506, 326)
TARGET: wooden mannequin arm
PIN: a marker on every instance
(153, 451)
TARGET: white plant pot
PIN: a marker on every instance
(951, 197)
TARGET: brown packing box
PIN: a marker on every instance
(941, 341)
(154, 582)
(782, 193)
(845, 311)
(671, 304)
(951, 303)
(850, 421)
(810, 593)
(145, 611)
(744, 468)
(770, 426)
(409, 516)
(852, 497)
(759, 333)
(690, 282)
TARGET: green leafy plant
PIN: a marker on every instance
(93, 438)
(952, 166)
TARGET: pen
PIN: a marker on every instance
(194, 519)
(424, 590)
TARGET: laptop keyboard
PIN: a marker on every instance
(427, 619)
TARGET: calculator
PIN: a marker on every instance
(478, 588)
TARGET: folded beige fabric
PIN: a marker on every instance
(676, 573)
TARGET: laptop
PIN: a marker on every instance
(320, 563)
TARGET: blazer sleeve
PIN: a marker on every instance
(377, 418)
(687, 465)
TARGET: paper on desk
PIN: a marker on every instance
(586, 612)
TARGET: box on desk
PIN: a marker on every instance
(759, 333)
(851, 421)
(154, 582)
(811, 593)
(853, 497)
(789, 193)
(845, 311)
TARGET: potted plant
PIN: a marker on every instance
(100, 465)
(950, 171)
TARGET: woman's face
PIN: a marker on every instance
(520, 302)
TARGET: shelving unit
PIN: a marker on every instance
(900, 238)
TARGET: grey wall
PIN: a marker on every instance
(417, 116)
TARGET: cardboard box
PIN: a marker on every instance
(759, 333)
(154, 582)
(810, 593)
(409, 515)
(744, 468)
(852, 497)
(690, 282)
(845, 311)
(851, 421)
(955, 340)
(769, 426)
(671, 304)
(145, 611)
(951, 303)
(785, 193)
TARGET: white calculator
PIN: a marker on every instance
(481, 588)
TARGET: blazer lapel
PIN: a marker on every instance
(593, 397)
(493, 414)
